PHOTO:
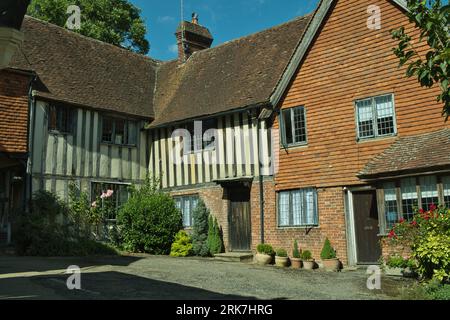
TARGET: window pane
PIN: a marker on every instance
(385, 115)
(409, 197)
(187, 213)
(365, 118)
(429, 193)
(299, 125)
(446, 185)
(289, 139)
(283, 209)
(132, 133)
(390, 205)
(107, 130)
(310, 208)
(297, 208)
(119, 136)
(52, 119)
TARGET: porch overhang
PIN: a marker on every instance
(409, 156)
(227, 182)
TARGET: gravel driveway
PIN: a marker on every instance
(149, 277)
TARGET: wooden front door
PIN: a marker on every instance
(366, 227)
(240, 219)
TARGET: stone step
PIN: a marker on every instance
(244, 257)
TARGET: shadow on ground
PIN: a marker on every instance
(105, 285)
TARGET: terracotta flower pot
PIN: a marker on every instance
(282, 262)
(296, 263)
(331, 264)
(309, 264)
(263, 259)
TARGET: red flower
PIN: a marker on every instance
(421, 211)
(433, 207)
(401, 220)
(392, 234)
(414, 223)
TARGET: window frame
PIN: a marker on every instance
(375, 118)
(439, 178)
(70, 119)
(190, 127)
(126, 135)
(302, 226)
(283, 138)
(190, 198)
(115, 184)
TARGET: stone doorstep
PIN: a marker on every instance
(244, 257)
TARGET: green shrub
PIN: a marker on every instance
(432, 253)
(296, 253)
(438, 291)
(306, 255)
(397, 261)
(40, 234)
(215, 243)
(265, 249)
(200, 230)
(328, 251)
(149, 221)
(182, 247)
(281, 253)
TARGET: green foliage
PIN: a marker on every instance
(182, 247)
(438, 291)
(306, 255)
(328, 251)
(113, 21)
(396, 261)
(296, 253)
(281, 253)
(432, 19)
(39, 233)
(200, 230)
(428, 235)
(215, 243)
(149, 221)
(265, 249)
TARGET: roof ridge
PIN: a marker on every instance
(146, 57)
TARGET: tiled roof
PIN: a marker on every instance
(419, 153)
(82, 71)
(234, 75)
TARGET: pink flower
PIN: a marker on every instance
(103, 196)
(109, 193)
(94, 204)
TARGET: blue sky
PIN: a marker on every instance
(226, 19)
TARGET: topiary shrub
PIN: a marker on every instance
(182, 247)
(328, 251)
(215, 242)
(200, 230)
(306, 255)
(281, 253)
(265, 249)
(149, 221)
(296, 253)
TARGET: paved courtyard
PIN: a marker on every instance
(149, 277)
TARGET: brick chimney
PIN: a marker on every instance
(192, 37)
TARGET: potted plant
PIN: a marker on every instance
(281, 258)
(264, 254)
(329, 259)
(296, 260)
(308, 261)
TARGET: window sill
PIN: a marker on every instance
(59, 133)
(295, 146)
(368, 140)
(298, 228)
(119, 145)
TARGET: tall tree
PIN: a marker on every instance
(113, 21)
(432, 68)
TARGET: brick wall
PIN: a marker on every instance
(13, 111)
(215, 200)
(389, 249)
(331, 223)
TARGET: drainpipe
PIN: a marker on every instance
(261, 183)
(30, 146)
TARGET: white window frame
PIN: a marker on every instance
(375, 118)
(183, 199)
(300, 226)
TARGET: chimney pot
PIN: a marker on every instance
(194, 18)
